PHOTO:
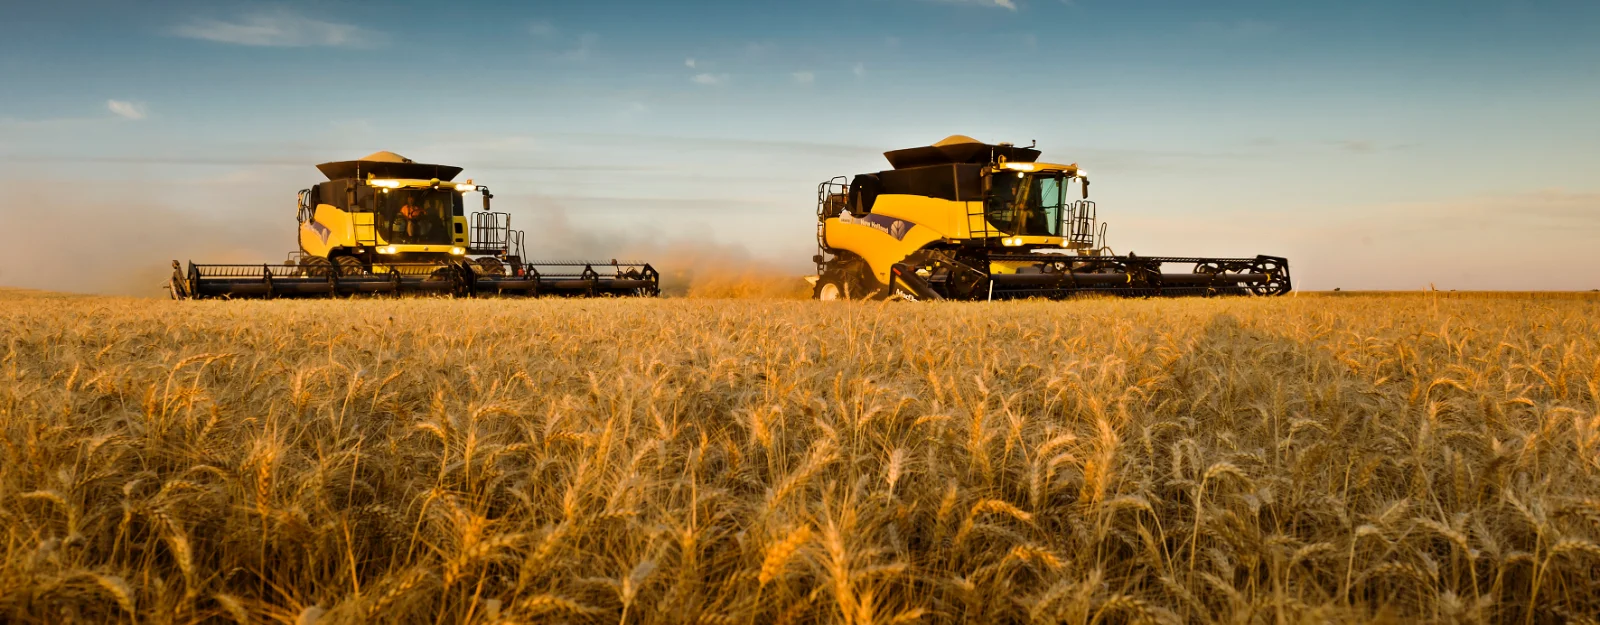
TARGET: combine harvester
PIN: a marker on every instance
(966, 220)
(387, 225)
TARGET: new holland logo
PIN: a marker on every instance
(318, 229)
(896, 228)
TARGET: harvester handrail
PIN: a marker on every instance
(580, 263)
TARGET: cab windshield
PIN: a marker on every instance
(1027, 204)
(415, 216)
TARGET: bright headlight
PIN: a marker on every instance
(1020, 166)
(466, 187)
(387, 249)
(457, 251)
(1083, 174)
(392, 184)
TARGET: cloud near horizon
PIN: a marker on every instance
(1009, 5)
(278, 29)
(126, 109)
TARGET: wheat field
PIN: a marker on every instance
(1301, 459)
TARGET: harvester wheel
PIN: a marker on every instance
(317, 267)
(349, 266)
(830, 288)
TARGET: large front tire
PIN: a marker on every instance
(831, 288)
(349, 266)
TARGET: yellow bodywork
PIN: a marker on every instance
(902, 224)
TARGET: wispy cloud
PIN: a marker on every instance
(689, 62)
(633, 110)
(1009, 5)
(709, 79)
(1238, 29)
(541, 28)
(584, 50)
(1359, 146)
(278, 29)
(804, 78)
(126, 109)
(860, 70)
(1367, 146)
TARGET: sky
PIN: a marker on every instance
(1376, 144)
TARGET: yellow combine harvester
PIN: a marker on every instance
(962, 219)
(386, 224)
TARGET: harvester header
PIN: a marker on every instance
(386, 224)
(963, 219)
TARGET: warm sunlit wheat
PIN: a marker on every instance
(1307, 459)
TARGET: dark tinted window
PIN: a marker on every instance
(415, 216)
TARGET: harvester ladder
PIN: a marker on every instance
(1081, 223)
(490, 231)
(830, 202)
(980, 217)
(370, 228)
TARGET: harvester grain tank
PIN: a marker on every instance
(962, 219)
(386, 224)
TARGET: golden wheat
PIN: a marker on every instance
(1404, 457)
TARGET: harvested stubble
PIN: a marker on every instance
(1291, 459)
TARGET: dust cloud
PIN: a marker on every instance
(87, 244)
(689, 268)
(105, 247)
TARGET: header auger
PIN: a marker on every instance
(385, 224)
(962, 219)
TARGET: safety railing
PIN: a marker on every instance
(1080, 226)
(489, 231)
(832, 196)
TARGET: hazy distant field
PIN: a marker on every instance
(1301, 459)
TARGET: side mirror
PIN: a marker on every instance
(1085, 188)
(486, 197)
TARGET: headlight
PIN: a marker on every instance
(387, 249)
(457, 251)
(392, 184)
(1083, 174)
(464, 188)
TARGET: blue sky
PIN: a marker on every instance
(1376, 144)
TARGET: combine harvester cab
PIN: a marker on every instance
(966, 220)
(387, 225)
